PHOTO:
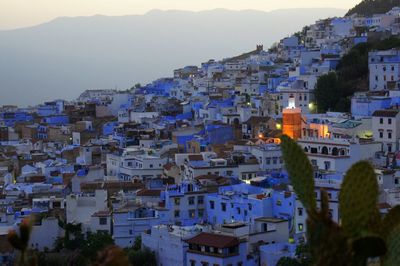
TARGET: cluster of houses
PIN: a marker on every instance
(192, 163)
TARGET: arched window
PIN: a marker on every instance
(324, 150)
(305, 149)
(335, 151)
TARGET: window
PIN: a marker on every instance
(191, 200)
(176, 213)
(380, 120)
(200, 199)
(151, 166)
(192, 263)
(131, 232)
(389, 135)
(200, 212)
(300, 211)
(177, 201)
(192, 213)
(223, 206)
(238, 210)
(212, 204)
(265, 227)
(327, 165)
(279, 203)
(381, 134)
(389, 121)
(103, 220)
(396, 181)
(300, 227)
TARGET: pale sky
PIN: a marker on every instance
(23, 13)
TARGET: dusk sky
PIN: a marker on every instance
(23, 13)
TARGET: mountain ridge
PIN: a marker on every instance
(66, 56)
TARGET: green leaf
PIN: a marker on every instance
(368, 247)
(392, 257)
(324, 209)
(391, 220)
(357, 199)
(300, 171)
(327, 241)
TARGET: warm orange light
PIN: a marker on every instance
(292, 122)
(260, 136)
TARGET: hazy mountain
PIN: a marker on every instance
(61, 58)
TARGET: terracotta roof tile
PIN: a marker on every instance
(214, 240)
(149, 193)
(195, 157)
(385, 113)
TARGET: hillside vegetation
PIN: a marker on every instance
(370, 7)
(334, 89)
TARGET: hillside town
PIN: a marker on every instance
(191, 165)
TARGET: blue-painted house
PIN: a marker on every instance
(108, 128)
(240, 202)
(160, 87)
(47, 110)
(10, 118)
(364, 105)
(56, 120)
(218, 134)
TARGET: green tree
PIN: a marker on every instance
(327, 92)
(137, 245)
(96, 242)
(288, 261)
(144, 257)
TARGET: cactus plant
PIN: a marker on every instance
(300, 171)
(357, 199)
(362, 233)
(392, 257)
(21, 241)
(391, 220)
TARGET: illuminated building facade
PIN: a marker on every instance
(292, 120)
